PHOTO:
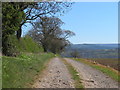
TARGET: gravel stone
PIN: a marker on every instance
(91, 77)
(57, 76)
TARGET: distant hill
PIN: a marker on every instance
(93, 46)
(93, 50)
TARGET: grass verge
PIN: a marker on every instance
(107, 70)
(111, 62)
(1, 72)
(74, 74)
(21, 70)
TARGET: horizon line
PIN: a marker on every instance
(95, 43)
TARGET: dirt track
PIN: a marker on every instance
(91, 77)
(57, 76)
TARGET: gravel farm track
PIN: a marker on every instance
(56, 75)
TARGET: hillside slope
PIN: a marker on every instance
(92, 50)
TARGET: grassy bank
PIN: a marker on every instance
(27, 44)
(0, 72)
(112, 62)
(20, 71)
(74, 74)
(107, 70)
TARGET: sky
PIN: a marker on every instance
(92, 22)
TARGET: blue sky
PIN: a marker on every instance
(92, 22)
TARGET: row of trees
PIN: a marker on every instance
(43, 16)
(47, 32)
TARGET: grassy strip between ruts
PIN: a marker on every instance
(74, 74)
(107, 70)
(18, 72)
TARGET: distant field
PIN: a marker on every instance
(107, 62)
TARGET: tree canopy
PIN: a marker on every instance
(11, 19)
(36, 10)
(48, 32)
(15, 15)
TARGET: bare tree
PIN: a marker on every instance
(49, 34)
(36, 10)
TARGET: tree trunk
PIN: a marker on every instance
(45, 50)
(19, 32)
(44, 46)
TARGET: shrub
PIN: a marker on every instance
(27, 44)
(10, 46)
(13, 47)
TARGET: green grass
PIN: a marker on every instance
(19, 71)
(74, 74)
(0, 72)
(27, 44)
(108, 71)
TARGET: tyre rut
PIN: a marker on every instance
(57, 76)
(92, 78)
